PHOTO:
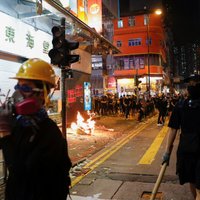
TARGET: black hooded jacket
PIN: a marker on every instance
(38, 162)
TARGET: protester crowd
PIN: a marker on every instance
(131, 106)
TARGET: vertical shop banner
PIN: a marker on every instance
(83, 10)
(111, 82)
(95, 14)
(87, 96)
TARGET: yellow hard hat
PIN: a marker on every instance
(36, 69)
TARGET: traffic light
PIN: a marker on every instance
(61, 53)
(137, 81)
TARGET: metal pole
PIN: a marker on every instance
(137, 95)
(148, 60)
(63, 97)
(63, 92)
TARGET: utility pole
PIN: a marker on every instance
(148, 81)
(148, 57)
(63, 93)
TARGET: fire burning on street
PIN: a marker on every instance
(83, 126)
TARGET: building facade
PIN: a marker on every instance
(141, 40)
(26, 33)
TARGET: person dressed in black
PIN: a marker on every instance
(162, 109)
(126, 105)
(33, 146)
(140, 110)
(185, 116)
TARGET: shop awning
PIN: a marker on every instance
(89, 39)
(50, 15)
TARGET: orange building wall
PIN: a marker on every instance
(126, 33)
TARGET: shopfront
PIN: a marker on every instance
(19, 41)
(25, 32)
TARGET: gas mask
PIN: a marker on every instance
(21, 106)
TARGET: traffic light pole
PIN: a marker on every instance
(63, 97)
(148, 59)
(137, 95)
(61, 56)
(63, 94)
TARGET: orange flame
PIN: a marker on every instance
(87, 126)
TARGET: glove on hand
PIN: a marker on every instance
(165, 158)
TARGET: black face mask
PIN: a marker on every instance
(194, 91)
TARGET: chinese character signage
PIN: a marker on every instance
(22, 39)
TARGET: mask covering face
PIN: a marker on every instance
(28, 106)
(194, 91)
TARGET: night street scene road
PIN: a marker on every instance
(102, 93)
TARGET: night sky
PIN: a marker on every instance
(183, 15)
(186, 20)
(134, 5)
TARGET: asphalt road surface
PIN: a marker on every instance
(129, 167)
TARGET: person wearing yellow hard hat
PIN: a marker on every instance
(34, 149)
(38, 70)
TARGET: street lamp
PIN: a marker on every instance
(148, 82)
(147, 20)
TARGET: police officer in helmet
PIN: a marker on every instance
(185, 117)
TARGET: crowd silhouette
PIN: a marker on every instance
(131, 106)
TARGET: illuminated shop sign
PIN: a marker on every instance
(22, 39)
(97, 62)
(75, 93)
(83, 10)
(111, 83)
(95, 14)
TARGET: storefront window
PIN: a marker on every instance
(7, 69)
(126, 63)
